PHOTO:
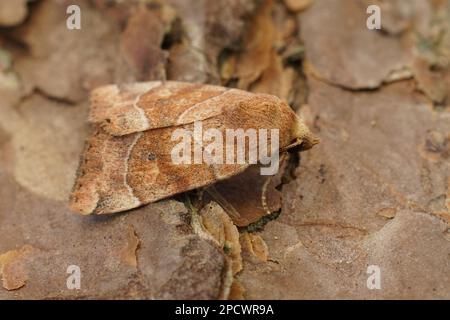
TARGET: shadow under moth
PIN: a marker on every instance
(129, 159)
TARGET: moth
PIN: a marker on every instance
(128, 160)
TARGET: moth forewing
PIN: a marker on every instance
(125, 109)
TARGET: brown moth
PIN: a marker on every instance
(128, 160)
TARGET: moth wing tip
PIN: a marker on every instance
(101, 100)
(79, 209)
(84, 201)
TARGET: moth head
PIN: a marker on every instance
(303, 137)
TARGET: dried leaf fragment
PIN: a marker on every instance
(140, 44)
(217, 222)
(255, 245)
(237, 291)
(256, 56)
(13, 269)
(131, 245)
